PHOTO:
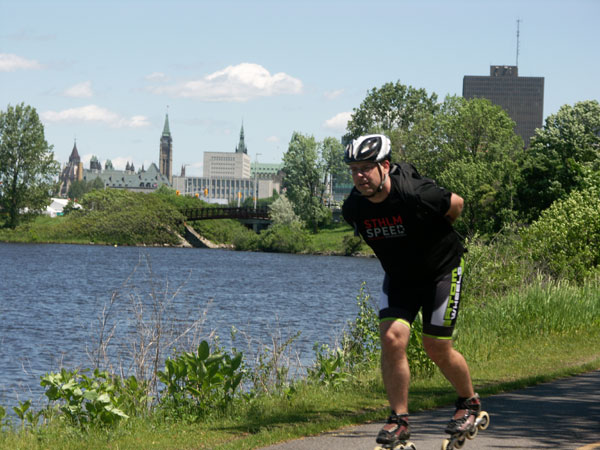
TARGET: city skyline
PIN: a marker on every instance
(106, 73)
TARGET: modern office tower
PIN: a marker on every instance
(228, 164)
(521, 97)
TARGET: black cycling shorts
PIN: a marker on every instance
(439, 302)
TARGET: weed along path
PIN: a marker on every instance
(564, 414)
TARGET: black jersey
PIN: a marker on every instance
(408, 231)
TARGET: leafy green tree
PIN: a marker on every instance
(478, 158)
(334, 170)
(469, 147)
(78, 189)
(27, 165)
(561, 157)
(303, 179)
(394, 107)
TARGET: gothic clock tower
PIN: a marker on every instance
(166, 152)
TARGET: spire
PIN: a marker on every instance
(166, 130)
(74, 154)
(241, 148)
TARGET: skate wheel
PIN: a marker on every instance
(484, 420)
(445, 444)
(472, 434)
(406, 446)
(460, 443)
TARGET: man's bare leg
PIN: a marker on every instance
(452, 364)
(394, 364)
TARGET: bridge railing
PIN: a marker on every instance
(225, 212)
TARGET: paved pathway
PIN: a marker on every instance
(564, 414)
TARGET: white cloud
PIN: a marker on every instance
(272, 139)
(235, 84)
(156, 76)
(338, 122)
(81, 90)
(120, 162)
(85, 159)
(94, 113)
(330, 95)
(10, 62)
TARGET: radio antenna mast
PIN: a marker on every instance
(518, 23)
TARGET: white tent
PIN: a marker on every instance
(56, 207)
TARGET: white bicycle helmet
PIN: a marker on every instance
(371, 147)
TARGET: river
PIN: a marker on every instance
(53, 299)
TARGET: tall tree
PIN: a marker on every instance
(27, 165)
(334, 170)
(79, 188)
(480, 156)
(303, 179)
(394, 107)
(470, 147)
(562, 156)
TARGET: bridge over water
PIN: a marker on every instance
(255, 218)
(226, 212)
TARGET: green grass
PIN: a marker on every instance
(42, 229)
(330, 241)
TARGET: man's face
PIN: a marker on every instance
(366, 176)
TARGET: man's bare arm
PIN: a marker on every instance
(456, 207)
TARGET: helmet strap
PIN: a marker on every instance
(380, 188)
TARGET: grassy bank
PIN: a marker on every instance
(557, 322)
(229, 233)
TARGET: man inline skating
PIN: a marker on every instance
(407, 220)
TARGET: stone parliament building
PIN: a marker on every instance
(228, 176)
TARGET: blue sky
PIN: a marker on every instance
(106, 72)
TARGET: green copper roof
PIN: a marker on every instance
(166, 130)
(241, 148)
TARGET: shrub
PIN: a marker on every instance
(351, 244)
(282, 212)
(565, 240)
(224, 231)
(329, 367)
(95, 400)
(360, 344)
(495, 267)
(284, 239)
(202, 380)
(246, 241)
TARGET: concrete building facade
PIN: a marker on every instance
(521, 97)
(230, 177)
(226, 165)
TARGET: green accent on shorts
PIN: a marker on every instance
(394, 319)
(437, 337)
